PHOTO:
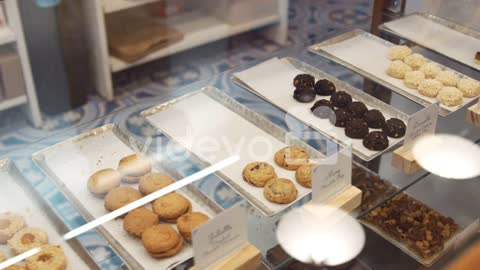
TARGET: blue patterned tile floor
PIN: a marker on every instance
(148, 85)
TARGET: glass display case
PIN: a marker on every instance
(411, 219)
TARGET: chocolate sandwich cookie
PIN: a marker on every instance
(376, 141)
(394, 128)
(304, 81)
(324, 87)
(341, 99)
(322, 108)
(340, 117)
(374, 119)
(356, 128)
(304, 95)
(357, 108)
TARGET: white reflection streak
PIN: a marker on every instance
(19, 258)
(170, 188)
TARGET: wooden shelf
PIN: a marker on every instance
(6, 35)
(198, 28)
(13, 102)
(110, 6)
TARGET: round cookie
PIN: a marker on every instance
(447, 78)
(49, 258)
(133, 167)
(188, 222)
(26, 239)
(415, 61)
(341, 99)
(303, 175)
(340, 117)
(101, 182)
(413, 78)
(450, 96)
(171, 206)
(430, 70)
(304, 95)
(397, 69)
(470, 88)
(324, 87)
(10, 223)
(161, 241)
(291, 157)
(356, 128)
(375, 141)
(322, 108)
(280, 190)
(152, 182)
(121, 196)
(399, 52)
(137, 220)
(357, 108)
(394, 128)
(15, 267)
(374, 119)
(303, 81)
(430, 87)
(258, 173)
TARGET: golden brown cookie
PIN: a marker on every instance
(101, 182)
(303, 175)
(16, 267)
(291, 157)
(188, 222)
(2, 257)
(171, 206)
(133, 167)
(258, 173)
(49, 258)
(138, 220)
(26, 239)
(10, 223)
(280, 190)
(161, 241)
(120, 197)
(152, 182)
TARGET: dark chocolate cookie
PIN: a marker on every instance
(304, 95)
(376, 141)
(341, 99)
(322, 108)
(324, 87)
(374, 119)
(356, 129)
(340, 117)
(394, 128)
(357, 108)
(304, 81)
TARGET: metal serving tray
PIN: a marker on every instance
(18, 196)
(409, 93)
(264, 127)
(100, 148)
(454, 26)
(333, 132)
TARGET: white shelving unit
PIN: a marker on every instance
(198, 28)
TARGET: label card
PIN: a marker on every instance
(220, 236)
(332, 175)
(419, 124)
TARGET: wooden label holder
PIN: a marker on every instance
(473, 114)
(404, 161)
(348, 200)
(246, 258)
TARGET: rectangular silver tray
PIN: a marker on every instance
(318, 49)
(190, 191)
(454, 26)
(49, 220)
(255, 119)
(354, 92)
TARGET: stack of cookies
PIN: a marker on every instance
(20, 238)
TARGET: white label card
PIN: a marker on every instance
(221, 236)
(420, 124)
(332, 175)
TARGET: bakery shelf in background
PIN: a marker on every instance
(110, 6)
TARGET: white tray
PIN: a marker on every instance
(71, 162)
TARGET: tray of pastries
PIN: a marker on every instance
(332, 107)
(275, 167)
(103, 170)
(400, 69)
(27, 222)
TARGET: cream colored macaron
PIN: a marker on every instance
(133, 167)
(101, 182)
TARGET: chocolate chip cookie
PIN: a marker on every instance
(258, 173)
